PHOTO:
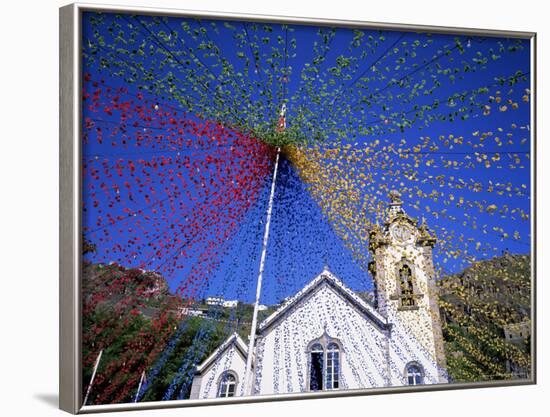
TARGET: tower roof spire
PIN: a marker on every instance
(396, 204)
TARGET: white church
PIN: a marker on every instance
(326, 337)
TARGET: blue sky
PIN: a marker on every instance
(302, 240)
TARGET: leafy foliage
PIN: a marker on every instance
(132, 316)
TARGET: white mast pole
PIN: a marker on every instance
(93, 376)
(139, 386)
(247, 386)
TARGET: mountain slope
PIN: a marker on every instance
(485, 313)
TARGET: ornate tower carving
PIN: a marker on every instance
(404, 276)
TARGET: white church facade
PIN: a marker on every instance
(326, 337)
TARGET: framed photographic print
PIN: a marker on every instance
(262, 208)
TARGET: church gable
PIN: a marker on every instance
(325, 316)
(325, 278)
(233, 342)
(221, 374)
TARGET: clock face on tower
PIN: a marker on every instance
(402, 233)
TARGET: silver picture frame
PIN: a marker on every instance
(70, 186)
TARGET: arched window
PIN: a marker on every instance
(324, 359)
(316, 367)
(406, 286)
(333, 366)
(228, 385)
(414, 374)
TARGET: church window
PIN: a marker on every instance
(228, 385)
(406, 286)
(324, 356)
(414, 374)
(316, 367)
(333, 366)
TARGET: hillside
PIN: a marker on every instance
(131, 315)
(486, 314)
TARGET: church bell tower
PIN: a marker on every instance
(406, 291)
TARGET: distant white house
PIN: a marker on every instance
(230, 303)
(517, 332)
(220, 301)
(187, 311)
(215, 301)
(326, 337)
